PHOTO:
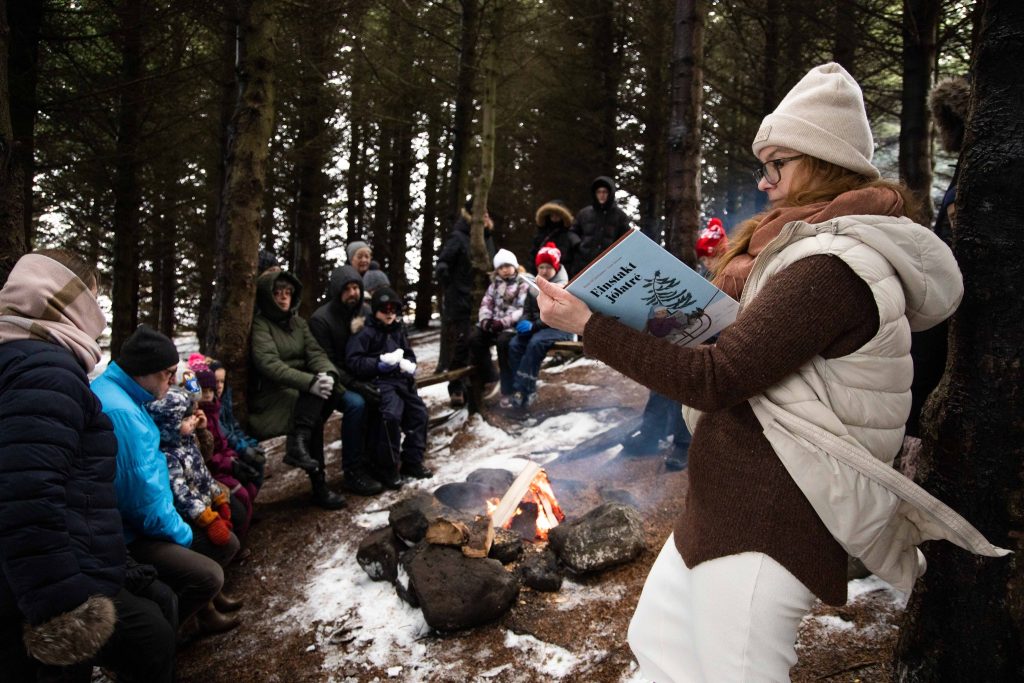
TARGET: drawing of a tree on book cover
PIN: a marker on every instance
(672, 315)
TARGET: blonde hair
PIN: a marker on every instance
(818, 181)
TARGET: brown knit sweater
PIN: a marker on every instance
(740, 497)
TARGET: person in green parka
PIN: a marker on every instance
(293, 384)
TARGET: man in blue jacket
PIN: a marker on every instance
(155, 532)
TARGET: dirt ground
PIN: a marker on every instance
(853, 643)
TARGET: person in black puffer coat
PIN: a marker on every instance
(598, 225)
(554, 224)
(62, 551)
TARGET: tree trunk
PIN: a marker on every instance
(127, 187)
(683, 206)
(215, 173)
(920, 31)
(965, 621)
(165, 264)
(425, 288)
(845, 35)
(607, 65)
(477, 245)
(656, 51)
(19, 50)
(244, 187)
(312, 157)
(461, 122)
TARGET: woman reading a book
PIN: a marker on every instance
(802, 401)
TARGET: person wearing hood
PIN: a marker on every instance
(332, 325)
(533, 338)
(454, 272)
(380, 353)
(292, 386)
(597, 225)
(802, 401)
(554, 223)
(500, 310)
(64, 598)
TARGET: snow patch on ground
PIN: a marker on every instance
(551, 661)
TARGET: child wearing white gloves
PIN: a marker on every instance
(380, 352)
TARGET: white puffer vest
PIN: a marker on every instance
(837, 424)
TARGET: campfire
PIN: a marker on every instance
(529, 507)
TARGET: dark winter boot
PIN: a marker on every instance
(296, 450)
(322, 494)
(360, 483)
(640, 444)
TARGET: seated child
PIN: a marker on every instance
(500, 310)
(241, 478)
(533, 338)
(198, 498)
(247, 447)
(380, 352)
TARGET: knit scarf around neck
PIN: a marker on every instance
(44, 300)
(874, 201)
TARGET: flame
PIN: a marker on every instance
(540, 494)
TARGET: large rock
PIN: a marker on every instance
(410, 516)
(457, 592)
(507, 546)
(464, 496)
(497, 481)
(540, 572)
(608, 535)
(378, 554)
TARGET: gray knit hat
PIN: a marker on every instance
(823, 116)
(372, 279)
(353, 247)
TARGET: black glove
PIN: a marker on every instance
(441, 273)
(138, 577)
(368, 391)
(252, 456)
(244, 473)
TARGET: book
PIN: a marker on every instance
(644, 286)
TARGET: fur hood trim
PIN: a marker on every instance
(74, 636)
(949, 101)
(554, 208)
(358, 322)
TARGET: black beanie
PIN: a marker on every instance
(146, 352)
(385, 295)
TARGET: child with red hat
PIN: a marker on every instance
(533, 338)
(712, 242)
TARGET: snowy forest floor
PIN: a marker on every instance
(312, 614)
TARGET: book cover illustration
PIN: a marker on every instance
(649, 289)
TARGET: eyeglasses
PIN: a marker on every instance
(169, 373)
(771, 170)
(395, 310)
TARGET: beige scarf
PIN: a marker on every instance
(868, 201)
(44, 300)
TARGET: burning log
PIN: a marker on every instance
(510, 501)
(481, 536)
(447, 532)
(529, 506)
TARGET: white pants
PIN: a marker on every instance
(734, 618)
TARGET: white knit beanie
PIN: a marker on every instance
(504, 257)
(823, 116)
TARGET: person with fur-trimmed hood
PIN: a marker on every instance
(948, 101)
(66, 599)
(381, 353)
(332, 325)
(554, 223)
(598, 225)
(454, 272)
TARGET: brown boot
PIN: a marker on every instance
(212, 622)
(225, 603)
